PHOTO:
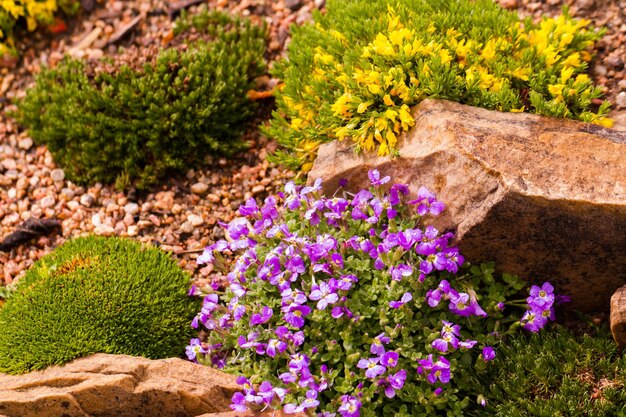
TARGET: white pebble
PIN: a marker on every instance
(195, 220)
(86, 200)
(25, 144)
(187, 227)
(620, 100)
(131, 208)
(104, 230)
(95, 220)
(47, 201)
(57, 175)
(199, 188)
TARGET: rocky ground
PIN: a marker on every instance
(182, 215)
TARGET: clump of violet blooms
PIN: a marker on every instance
(349, 306)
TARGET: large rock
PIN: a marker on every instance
(618, 317)
(545, 198)
(104, 385)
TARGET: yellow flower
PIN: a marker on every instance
(572, 60)
(566, 74)
(388, 100)
(363, 107)
(12, 8)
(604, 121)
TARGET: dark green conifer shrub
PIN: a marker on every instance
(555, 373)
(130, 125)
(359, 68)
(93, 295)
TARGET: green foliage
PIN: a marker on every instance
(34, 12)
(94, 295)
(557, 374)
(136, 126)
(356, 71)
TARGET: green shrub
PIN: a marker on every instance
(94, 295)
(33, 12)
(356, 71)
(135, 126)
(557, 374)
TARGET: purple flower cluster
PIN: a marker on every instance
(541, 307)
(302, 248)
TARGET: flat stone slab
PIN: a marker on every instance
(544, 198)
(104, 385)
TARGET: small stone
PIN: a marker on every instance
(131, 208)
(177, 209)
(73, 205)
(112, 208)
(195, 219)
(620, 100)
(67, 193)
(104, 230)
(213, 198)
(599, 70)
(622, 84)
(187, 227)
(86, 200)
(12, 193)
(25, 144)
(47, 201)
(9, 163)
(34, 180)
(164, 200)
(132, 230)
(508, 4)
(95, 220)
(57, 175)
(258, 189)
(22, 184)
(199, 188)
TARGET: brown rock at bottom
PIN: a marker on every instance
(544, 198)
(618, 317)
(104, 385)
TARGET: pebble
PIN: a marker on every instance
(195, 220)
(199, 188)
(25, 144)
(132, 230)
(187, 227)
(9, 163)
(47, 201)
(258, 189)
(104, 230)
(86, 200)
(95, 220)
(620, 100)
(57, 175)
(213, 198)
(131, 208)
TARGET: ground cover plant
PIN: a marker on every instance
(556, 373)
(359, 68)
(33, 12)
(135, 126)
(349, 306)
(92, 295)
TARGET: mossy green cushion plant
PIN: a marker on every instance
(92, 295)
(356, 72)
(135, 126)
(556, 374)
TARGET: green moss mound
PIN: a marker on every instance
(555, 373)
(135, 126)
(92, 295)
(356, 72)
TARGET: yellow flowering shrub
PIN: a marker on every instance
(359, 68)
(32, 12)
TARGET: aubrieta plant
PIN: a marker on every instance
(348, 306)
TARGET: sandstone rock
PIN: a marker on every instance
(545, 198)
(116, 385)
(618, 317)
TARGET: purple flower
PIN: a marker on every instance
(467, 344)
(298, 362)
(406, 297)
(375, 179)
(396, 190)
(194, 349)
(249, 209)
(295, 264)
(402, 270)
(541, 297)
(533, 321)
(275, 346)
(350, 406)
(266, 314)
(439, 370)
(394, 382)
(372, 366)
(238, 402)
(317, 186)
(427, 203)
(324, 294)
(488, 353)
(389, 359)
(295, 314)
(238, 228)
(377, 347)
(460, 304)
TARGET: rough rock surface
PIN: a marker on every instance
(618, 317)
(545, 198)
(104, 385)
